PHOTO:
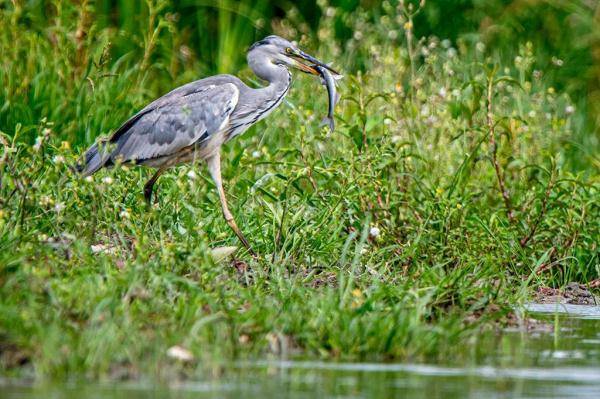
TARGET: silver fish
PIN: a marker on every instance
(328, 80)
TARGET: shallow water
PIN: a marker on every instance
(574, 311)
(561, 361)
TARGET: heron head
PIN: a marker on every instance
(283, 52)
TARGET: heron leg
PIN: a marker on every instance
(214, 168)
(150, 185)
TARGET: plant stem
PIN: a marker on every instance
(494, 148)
(537, 222)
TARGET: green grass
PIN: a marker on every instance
(412, 156)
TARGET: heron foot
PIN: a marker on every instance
(238, 233)
(149, 186)
(148, 194)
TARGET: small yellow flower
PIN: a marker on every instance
(46, 200)
(65, 145)
(2, 213)
(459, 205)
(439, 191)
(358, 299)
(408, 25)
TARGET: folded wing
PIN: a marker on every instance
(168, 125)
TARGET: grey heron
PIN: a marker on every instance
(193, 121)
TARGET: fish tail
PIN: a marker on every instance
(329, 122)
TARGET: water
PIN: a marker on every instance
(573, 311)
(514, 364)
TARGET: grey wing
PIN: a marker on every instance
(175, 124)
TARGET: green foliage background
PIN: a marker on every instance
(202, 37)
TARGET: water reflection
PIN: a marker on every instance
(558, 362)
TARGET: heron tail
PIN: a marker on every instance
(93, 160)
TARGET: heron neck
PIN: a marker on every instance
(278, 76)
(280, 81)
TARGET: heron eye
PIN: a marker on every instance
(288, 50)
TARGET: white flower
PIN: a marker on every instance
(330, 12)
(396, 139)
(124, 214)
(192, 175)
(393, 34)
(89, 179)
(451, 52)
(180, 353)
(532, 114)
(107, 180)
(569, 109)
(456, 93)
(256, 154)
(374, 232)
(358, 35)
(446, 43)
(443, 92)
(59, 207)
(58, 159)
(557, 62)
(387, 121)
(38, 143)
(480, 47)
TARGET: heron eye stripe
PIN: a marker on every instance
(258, 43)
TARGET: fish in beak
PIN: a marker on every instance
(300, 56)
(309, 64)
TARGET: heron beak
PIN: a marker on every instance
(302, 56)
(305, 68)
